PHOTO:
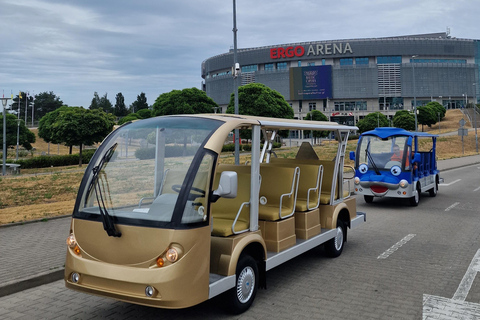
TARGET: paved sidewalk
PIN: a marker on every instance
(33, 254)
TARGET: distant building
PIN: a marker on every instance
(347, 79)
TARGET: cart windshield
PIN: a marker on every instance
(383, 154)
(152, 172)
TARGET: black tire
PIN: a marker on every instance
(434, 190)
(368, 199)
(334, 247)
(415, 200)
(241, 297)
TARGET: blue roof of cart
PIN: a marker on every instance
(386, 132)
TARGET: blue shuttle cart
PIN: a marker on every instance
(393, 162)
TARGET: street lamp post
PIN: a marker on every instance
(414, 92)
(18, 137)
(4, 166)
(475, 114)
(236, 70)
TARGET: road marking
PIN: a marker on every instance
(449, 184)
(435, 307)
(396, 246)
(476, 189)
(452, 206)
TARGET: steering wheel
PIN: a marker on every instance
(390, 164)
(194, 192)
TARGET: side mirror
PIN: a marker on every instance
(417, 157)
(352, 155)
(227, 187)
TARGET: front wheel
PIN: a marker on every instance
(368, 199)
(334, 247)
(415, 199)
(242, 296)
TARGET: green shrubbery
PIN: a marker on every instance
(170, 151)
(245, 147)
(55, 161)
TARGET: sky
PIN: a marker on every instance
(74, 48)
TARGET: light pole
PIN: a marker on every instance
(475, 114)
(4, 166)
(414, 91)
(236, 70)
(18, 137)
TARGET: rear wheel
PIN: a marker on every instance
(241, 297)
(334, 247)
(434, 190)
(368, 199)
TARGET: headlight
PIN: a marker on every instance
(172, 255)
(71, 242)
(403, 183)
(356, 180)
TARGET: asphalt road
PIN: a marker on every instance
(403, 263)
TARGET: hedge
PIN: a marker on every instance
(55, 161)
(245, 147)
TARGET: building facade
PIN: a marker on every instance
(347, 79)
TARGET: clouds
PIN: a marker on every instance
(75, 48)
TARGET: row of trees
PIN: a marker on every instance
(427, 115)
(45, 102)
(76, 126)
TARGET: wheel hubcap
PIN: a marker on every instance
(245, 284)
(339, 238)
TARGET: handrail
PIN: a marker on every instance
(296, 178)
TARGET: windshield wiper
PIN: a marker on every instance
(107, 220)
(370, 158)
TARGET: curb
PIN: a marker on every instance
(38, 280)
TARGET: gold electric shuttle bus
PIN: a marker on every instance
(160, 221)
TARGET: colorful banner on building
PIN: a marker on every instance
(311, 83)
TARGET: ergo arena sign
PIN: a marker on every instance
(313, 50)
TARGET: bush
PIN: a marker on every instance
(245, 147)
(170, 151)
(55, 161)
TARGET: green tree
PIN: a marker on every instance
(25, 138)
(140, 103)
(45, 127)
(438, 109)
(76, 126)
(46, 102)
(128, 117)
(404, 119)
(95, 104)
(257, 99)
(316, 115)
(120, 109)
(427, 115)
(186, 101)
(371, 121)
(144, 113)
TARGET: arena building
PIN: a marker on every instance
(347, 79)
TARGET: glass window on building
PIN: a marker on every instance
(312, 106)
(310, 64)
(281, 65)
(299, 63)
(250, 68)
(346, 61)
(361, 61)
(323, 62)
(389, 59)
(269, 66)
